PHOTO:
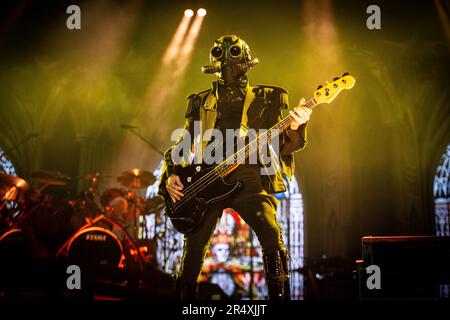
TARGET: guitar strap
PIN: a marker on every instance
(249, 98)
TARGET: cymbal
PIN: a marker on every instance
(154, 204)
(95, 175)
(136, 179)
(54, 178)
(12, 187)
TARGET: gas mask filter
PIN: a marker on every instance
(230, 59)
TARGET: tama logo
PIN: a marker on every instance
(96, 237)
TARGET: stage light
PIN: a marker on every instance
(188, 13)
(201, 12)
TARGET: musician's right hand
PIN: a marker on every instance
(174, 187)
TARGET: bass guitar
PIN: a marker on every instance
(205, 185)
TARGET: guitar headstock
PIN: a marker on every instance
(327, 93)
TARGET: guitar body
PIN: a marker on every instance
(187, 214)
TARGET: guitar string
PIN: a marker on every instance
(213, 174)
(218, 172)
(223, 167)
(225, 162)
(248, 146)
(240, 155)
(309, 104)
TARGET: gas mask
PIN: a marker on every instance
(230, 59)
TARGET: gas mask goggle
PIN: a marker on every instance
(230, 59)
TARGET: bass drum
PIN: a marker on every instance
(14, 247)
(95, 247)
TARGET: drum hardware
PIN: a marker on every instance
(34, 202)
(147, 250)
(50, 178)
(92, 232)
(87, 204)
(13, 189)
(9, 232)
(154, 204)
(136, 179)
(95, 177)
(136, 209)
(14, 246)
(15, 202)
(95, 246)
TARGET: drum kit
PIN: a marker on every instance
(97, 227)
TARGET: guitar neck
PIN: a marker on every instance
(232, 162)
(286, 121)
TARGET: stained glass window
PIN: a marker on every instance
(442, 195)
(6, 165)
(169, 242)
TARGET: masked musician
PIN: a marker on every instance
(232, 103)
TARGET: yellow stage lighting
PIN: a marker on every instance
(201, 12)
(177, 40)
(188, 13)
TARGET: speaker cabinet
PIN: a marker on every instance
(410, 267)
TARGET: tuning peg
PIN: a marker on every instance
(319, 87)
(336, 78)
(345, 74)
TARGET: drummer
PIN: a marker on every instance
(118, 207)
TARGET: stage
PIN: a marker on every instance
(347, 101)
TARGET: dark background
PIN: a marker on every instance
(372, 154)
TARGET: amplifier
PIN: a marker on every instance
(404, 267)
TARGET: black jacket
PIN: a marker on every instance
(264, 111)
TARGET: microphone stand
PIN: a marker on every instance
(149, 143)
(251, 294)
(137, 133)
(14, 147)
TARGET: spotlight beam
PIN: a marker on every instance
(177, 39)
(188, 45)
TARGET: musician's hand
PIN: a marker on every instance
(174, 187)
(301, 115)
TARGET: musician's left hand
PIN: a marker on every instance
(301, 115)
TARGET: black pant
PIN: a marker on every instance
(254, 205)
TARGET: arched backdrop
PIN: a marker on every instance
(372, 155)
